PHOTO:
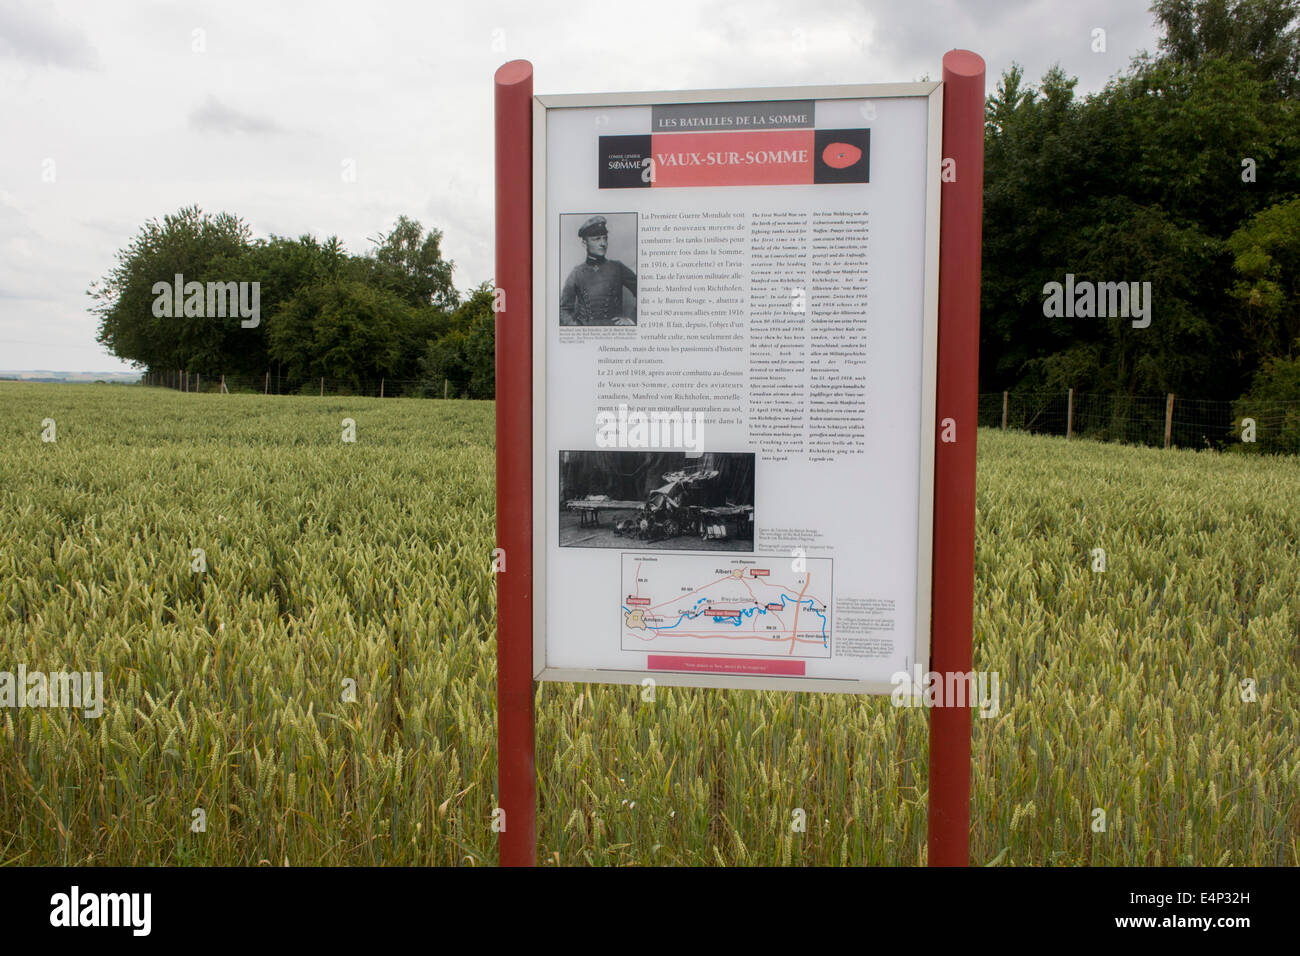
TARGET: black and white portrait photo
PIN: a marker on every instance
(598, 269)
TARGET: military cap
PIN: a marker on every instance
(595, 226)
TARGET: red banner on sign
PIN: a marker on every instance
(755, 158)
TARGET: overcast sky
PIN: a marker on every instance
(113, 112)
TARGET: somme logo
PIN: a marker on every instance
(192, 300)
(102, 909)
(841, 155)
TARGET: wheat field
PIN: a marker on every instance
(323, 691)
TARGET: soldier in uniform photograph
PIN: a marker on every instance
(593, 293)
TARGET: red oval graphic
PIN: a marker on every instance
(841, 155)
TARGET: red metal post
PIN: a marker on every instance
(516, 774)
(960, 226)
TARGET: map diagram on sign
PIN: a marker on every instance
(715, 605)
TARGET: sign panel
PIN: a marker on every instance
(734, 336)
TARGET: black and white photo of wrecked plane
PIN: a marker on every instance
(676, 508)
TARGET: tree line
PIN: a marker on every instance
(322, 312)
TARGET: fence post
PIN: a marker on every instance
(1004, 411)
(1069, 415)
(322, 386)
(444, 388)
(266, 386)
(198, 381)
(381, 388)
(223, 384)
(1169, 418)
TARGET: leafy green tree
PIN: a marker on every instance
(342, 330)
(443, 368)
(199, 246)
(465, 355)
(322, 311)
(1143, 181)
(1266, 256)
(479, 320)
(409, 262)
(1261, 32)
(1030, 154)
(1273, 402)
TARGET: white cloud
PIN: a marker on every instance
(35, 34)
(214, 116)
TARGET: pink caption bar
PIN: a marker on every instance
(724, 665)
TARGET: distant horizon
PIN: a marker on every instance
(7, 372)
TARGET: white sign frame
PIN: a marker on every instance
(932, 92)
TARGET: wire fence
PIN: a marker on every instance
(1168, 421)
(272, 383)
